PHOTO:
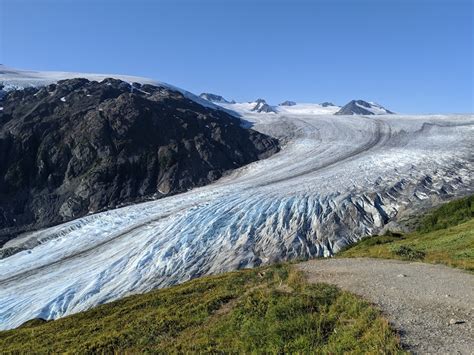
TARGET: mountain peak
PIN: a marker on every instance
(361, 107)
(262, 106)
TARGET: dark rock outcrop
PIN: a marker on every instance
(80, 146)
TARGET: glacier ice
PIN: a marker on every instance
(337, 179)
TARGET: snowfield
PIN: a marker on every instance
(337, 179)
(245, 108)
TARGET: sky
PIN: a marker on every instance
(412, 56)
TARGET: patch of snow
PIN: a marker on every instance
(376, 109)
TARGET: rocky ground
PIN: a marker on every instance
(432, 306)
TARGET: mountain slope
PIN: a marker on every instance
(80, 146)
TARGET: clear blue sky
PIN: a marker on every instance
(414, 56)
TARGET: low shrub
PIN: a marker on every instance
(408, 253)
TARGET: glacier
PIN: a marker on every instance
(337, 179)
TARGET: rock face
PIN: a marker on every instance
(361, 107)
(81, 146)
(262, 106)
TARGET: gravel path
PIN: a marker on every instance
(432, 306)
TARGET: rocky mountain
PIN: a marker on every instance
(80, 146)
(361, 107)
(215, 98)
(262, 106)
(287, 103)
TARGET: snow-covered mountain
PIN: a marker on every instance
(361, 107)
(11, 78)
(215, 98)
(262, 106)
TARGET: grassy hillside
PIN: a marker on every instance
(268, 309)
(445, 235)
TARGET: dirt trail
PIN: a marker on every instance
(432, 306)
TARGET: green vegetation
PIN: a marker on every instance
(448, 215)
(269, 309)
(445, 236)
(408, 253)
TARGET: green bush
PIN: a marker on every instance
(408, 253)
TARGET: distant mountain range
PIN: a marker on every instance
(354, 107)
(11, 78)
